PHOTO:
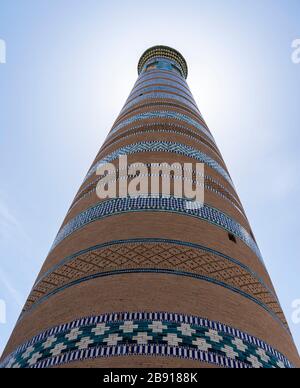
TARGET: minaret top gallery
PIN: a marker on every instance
(155, 264)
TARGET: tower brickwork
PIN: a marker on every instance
(148, 280)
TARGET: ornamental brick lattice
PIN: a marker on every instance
(149, 281)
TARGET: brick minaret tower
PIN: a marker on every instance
(149, 281)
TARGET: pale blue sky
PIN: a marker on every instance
(70, 66)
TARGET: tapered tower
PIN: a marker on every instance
(149, 280)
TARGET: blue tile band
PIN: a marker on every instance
(161, 88)
(160, 334)
(160, 74)
(157, 127)
(156, 204)
(162, 115)
(161, 81)
(162, 146)
(159, 96)
(91, 188)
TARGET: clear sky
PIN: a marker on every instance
(70, 66)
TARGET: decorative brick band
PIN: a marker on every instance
(162, 146)
(158, 127)
(162, 115)
(163, 78)
(157, 334)
(163, 105)
(159, 96)
(151, 77)
(174, 97)
(155, 256)
(164, 87)
(161, 74)
(161, 88)
(161, 82)
(209, 185)
(157, 204)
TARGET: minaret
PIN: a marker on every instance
(148, 280)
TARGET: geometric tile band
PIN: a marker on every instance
(162, 88)
(162, 115)
(155, 256)
(162, 81)
(162, 146)
(160, 334)
(117, 206)
(160, 85)
(158, 127)
(160, 74)
(157, 95)
(91, 188)
(165, 88)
